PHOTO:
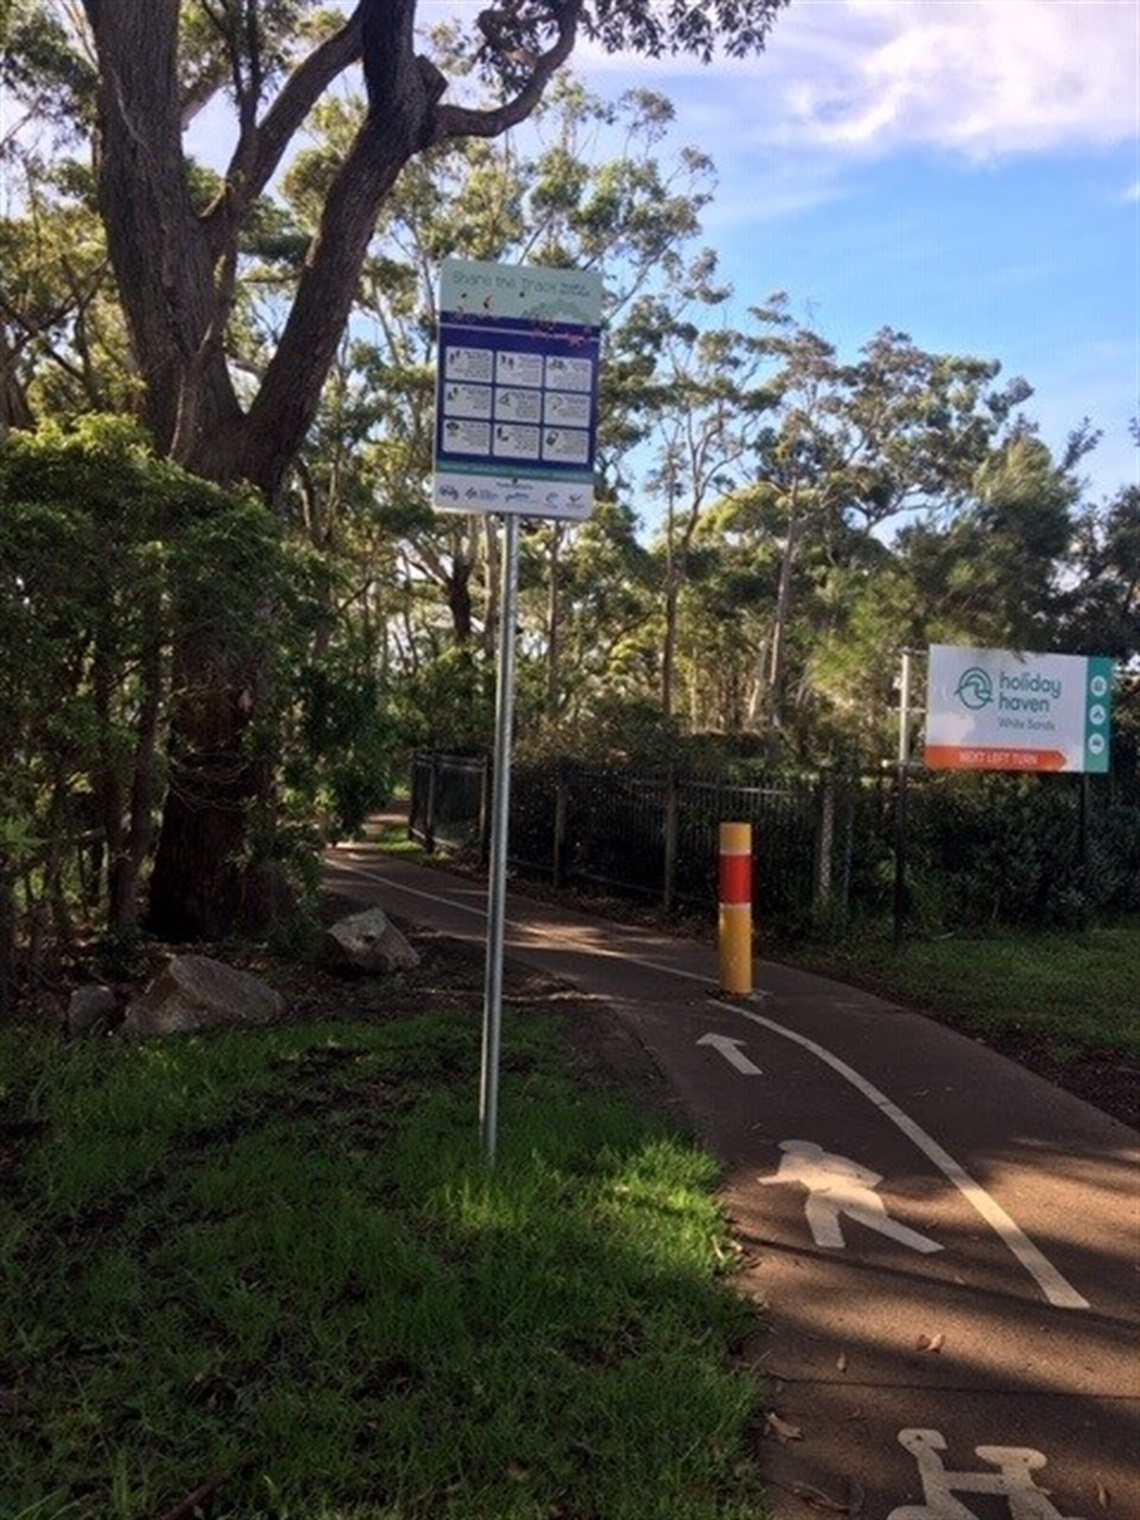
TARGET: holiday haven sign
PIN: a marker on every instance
(997, 709)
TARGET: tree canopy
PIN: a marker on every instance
(147, 67)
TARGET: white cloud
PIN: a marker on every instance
(981, 77)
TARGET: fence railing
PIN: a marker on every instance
(653, 837)
(980, 849)
(449, 801)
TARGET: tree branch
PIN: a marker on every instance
(285, 404)
(461, 121)
(300, 92)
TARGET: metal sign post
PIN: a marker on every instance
(500, 816)
(900, 800)
(516, 422)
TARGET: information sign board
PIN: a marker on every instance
(516, 413)
(995, 709)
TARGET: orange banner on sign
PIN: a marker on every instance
(973, 758)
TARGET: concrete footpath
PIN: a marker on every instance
(945, 1245)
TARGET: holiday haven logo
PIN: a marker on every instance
(975, 690)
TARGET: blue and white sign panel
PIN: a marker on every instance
(995, 709)
(516, 415)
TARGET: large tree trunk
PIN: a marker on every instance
(174, 268)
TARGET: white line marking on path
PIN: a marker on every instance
(837, 1185)
(1057, 1290)
(732, 1053)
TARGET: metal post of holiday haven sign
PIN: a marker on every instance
(995, 709)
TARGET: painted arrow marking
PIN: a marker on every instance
(837, 1186)
(732, 1053)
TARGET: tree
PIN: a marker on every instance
(104, 550)
(177, 262)
(853, 446)
(1102, 610)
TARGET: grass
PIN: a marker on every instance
(1076, 992)
(272, 1263)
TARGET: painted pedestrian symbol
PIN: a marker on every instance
(1014, 1481)
(838, 1186)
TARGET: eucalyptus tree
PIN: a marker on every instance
(1101, 605)
(63, 343)
(903, 431)
(151, 66)
(998, 570)
(703, 411)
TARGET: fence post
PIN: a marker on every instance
(825, 840)
(736, 907)
(670, 862)
(558, 860)
(903, 767)
(429, 819)
(484, 811)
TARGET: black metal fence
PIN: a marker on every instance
(449, 803)
(652, 837)
(980, 848)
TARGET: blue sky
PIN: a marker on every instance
(965, 170)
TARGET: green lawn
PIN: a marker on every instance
(1076, 991)
(274, 1261)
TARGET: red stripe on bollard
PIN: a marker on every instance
(735, 879)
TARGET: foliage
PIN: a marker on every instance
(987, 849)
(110, 561)
(100, 543)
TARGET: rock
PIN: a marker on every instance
(195, 992)
(91, 1009)
(368, 943)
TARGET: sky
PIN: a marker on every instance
(967, 171)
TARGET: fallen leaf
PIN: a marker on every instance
(931, 1342)
(783, 1430)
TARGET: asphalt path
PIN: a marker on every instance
(945, 1246)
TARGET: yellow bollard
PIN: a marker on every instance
(736, 908)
